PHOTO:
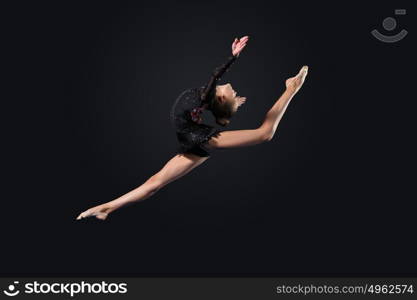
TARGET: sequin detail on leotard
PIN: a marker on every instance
(186, 114)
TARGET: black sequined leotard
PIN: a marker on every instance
(186, 114)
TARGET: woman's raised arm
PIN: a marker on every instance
(237, 47)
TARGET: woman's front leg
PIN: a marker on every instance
(175, 168)
(243, 138)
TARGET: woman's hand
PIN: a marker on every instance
(239, 44)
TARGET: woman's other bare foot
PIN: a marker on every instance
(101, 212)
(293, 84)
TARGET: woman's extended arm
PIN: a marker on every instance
(237, 47)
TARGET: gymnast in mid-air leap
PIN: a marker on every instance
(197, 139)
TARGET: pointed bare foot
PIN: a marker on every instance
(295, 83)
(101, 212)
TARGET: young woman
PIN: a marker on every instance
(197, 139)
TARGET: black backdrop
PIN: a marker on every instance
(86, 119)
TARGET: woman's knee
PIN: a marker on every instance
(266, 134)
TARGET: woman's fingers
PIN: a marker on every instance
(241, 101)
(241, 40)
(240, 47)
(239, 44)
(80, 216)
(244, 39)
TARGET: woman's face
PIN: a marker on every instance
(227, 94)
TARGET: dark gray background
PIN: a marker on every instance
(86, 119)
